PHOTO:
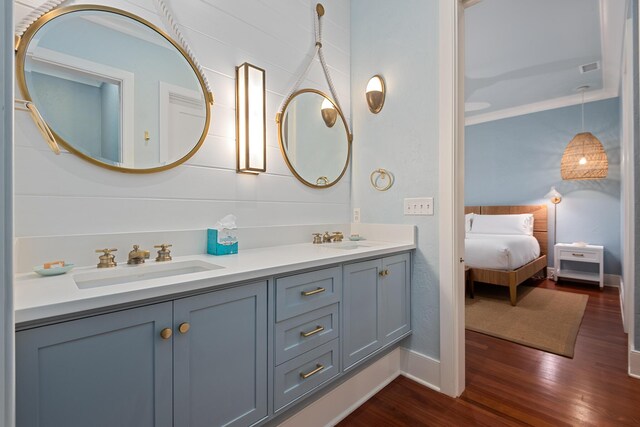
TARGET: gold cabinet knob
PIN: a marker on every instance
(383, 273)
(166, 333)
(184, 328)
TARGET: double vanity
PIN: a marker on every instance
(204, 340)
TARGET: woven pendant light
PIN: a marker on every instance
(584, 157)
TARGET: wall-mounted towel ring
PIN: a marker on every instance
(381, 175)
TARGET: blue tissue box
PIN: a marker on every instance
(225, 243)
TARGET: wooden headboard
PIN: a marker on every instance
(540, 224)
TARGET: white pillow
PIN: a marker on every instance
(468, 222)
(503, 224)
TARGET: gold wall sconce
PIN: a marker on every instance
(329, 113)
(251, 143)
(375, 93)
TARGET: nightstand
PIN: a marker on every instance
(592, 254)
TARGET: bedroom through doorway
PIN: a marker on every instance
(546, 257)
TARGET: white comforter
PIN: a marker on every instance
(500, 251)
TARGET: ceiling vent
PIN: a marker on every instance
(586, 68)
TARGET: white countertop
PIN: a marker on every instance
(37, 298)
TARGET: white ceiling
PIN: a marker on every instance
(523, 56)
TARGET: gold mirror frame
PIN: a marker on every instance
(21, 52)
(280, 119)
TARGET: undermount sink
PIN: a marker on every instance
(345, 245)
(137, 273)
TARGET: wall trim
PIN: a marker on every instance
(420, 368)
(537, 107)
(348, 396)
(7, 371)
(451, 196)
(634, 364)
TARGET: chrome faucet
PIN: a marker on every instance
(137, 256)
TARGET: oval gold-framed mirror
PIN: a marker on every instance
(315, 147)
(115, 89)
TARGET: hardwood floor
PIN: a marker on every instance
(509, 384)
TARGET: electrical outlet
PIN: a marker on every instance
(418, 206)
(356, 215)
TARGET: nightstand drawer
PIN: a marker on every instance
(578, 255)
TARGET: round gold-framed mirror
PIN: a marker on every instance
(316, 148)
(113, 88)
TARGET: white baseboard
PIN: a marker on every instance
(334, 406)
(625, 325)
(420, 368)
(611, 280)
(634, 364)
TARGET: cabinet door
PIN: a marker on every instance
(361, 304)
(108, 370)
(220, 363)
(394, 290)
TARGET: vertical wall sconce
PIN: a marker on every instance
(329, 113)
(375, 93)
(251, 125)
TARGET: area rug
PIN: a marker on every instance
(545, 319)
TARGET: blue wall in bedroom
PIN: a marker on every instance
(517, 160)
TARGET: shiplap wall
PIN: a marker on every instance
(61, 195)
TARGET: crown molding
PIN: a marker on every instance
(551, 104)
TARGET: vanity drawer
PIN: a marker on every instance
(578, 255)
(304, 292)
(318, 365)
(303, 333)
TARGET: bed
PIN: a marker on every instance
(522, 258)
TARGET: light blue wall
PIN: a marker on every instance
(401, 44)
(517, 160)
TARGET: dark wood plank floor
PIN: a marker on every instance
(509, 384)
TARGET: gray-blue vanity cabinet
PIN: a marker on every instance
(102, 371)
(376, 311)
(220, 363)
(395, 297)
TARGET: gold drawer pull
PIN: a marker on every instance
(580, 255)
(319, 368)
(315, 291)
(315, 331)
(166, 333)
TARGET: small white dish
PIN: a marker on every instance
(53, 271)
(579, 244)
(355, 237)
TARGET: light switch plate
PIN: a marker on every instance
(418, 206)
(356, 215)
